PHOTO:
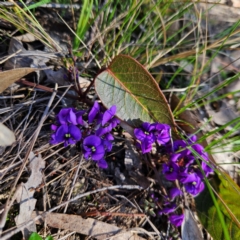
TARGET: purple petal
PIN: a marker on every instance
(175, 157)
(109, 137)
(94, 111)
(169, 208)
(99, 153)
(79, 115)
(146, 146)
(192, 139)
(176, 220)
(162, 133)
(109, 114)
(101, 131)
(189, 177)
(174, 192)
(108, 145)
(114, 122)
(194, 188)
(102, 163)
(206, 168)
(146, 126)
(60, 133)
(171, 171)
(72, 118)
(92, 140)
(139, 134)
(74, 132)
(67, 115)
(53, 140)
(87, 154)
(54, 127)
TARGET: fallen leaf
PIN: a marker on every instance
(9, 77)
(7, 137)
(89, 226)
(25, 194)
(222, 113)
(190, 229)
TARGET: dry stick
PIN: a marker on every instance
(13, 96)
(73, 183)
(10, 56)
(139, 209)
(7, 109)
(8, 234)
(99, 213)
(44, 116)
(149, 221)
(47, 89)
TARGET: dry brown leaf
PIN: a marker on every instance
(7, 137)
(27, 37)
(222, 114)
(25, 194)
(89, 226)
(9, 77)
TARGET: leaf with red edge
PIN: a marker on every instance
(129, 86)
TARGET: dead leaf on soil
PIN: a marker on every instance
(89, 226)
(25, 194)
(27, 37)
(7, 137)
(190, 229)
(9, 77)
(222, 113)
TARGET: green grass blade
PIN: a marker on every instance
(83, 22)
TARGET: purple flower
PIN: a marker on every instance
(106, 138)
(69, 134)
(145, 132)
(102, 163)
(182, 159)
(192, 183)
(109, 115)
(171, 171)
(176, 220)
(168, 208)
(94, 112)
(194, 188)
(174, 192)
(206, 168)
(145, 145)
(80, 120)
(161, 133)
(67, 116)
(93, 148)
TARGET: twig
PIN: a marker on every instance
(99, 213)
(10, 233)
(36, 133)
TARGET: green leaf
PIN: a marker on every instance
(35, 236)
(129, 86)
(228, 202)
(49, 238)
(83, 23)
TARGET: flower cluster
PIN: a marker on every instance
(184, 165)
(94, 133)
(188, 163)
(149, 133)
